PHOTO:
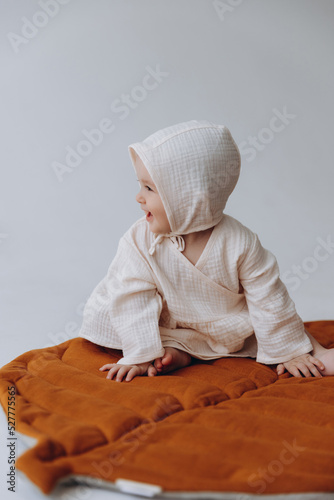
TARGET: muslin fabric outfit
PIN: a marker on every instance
(230, 303)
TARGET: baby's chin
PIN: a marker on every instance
(158, 230)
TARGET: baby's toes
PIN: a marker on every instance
(157, 364)
(167, 359)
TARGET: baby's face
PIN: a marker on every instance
(150, 200)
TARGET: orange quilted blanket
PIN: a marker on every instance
(226, 425)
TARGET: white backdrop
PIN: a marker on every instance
(263, 68)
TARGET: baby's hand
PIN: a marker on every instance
(130, 371)
(306, 364)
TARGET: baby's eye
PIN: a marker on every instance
(148, 187)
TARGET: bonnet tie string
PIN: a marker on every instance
(179, 242)
(176, 239)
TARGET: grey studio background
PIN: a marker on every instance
(263, 68)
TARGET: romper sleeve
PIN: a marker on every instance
(278, 328)
(124, 309)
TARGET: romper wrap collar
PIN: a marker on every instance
(195, 166)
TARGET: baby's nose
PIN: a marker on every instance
(139, 198)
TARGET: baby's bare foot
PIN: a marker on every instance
(171, 360)
(327, 358)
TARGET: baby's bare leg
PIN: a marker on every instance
(172, 360)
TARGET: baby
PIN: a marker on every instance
(190, 281)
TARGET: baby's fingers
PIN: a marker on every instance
(113, 369)
(317, 362)
(313, 367)
(280, 369)
(307, 369)
(151, 371)
(107, 367)
(132, 373)
(303, 368)
(293, 370)
(315, 371)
